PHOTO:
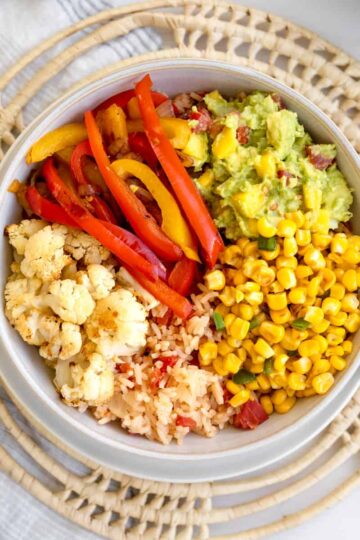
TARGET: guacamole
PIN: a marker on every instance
(257, 160)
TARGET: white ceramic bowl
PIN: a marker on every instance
(232, 451)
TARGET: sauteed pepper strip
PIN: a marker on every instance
(183, 186)
(182, 276)
(141, 221)
(99, 207)
(86, 221)
(54, 213)
(173, 223)
(139, 144)
(123, 99)
(56, 140)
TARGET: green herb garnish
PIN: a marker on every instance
(292, 353)
(218, 320)
(267, 244)
(243, 377)
(254, 323)
(268, 366)
(300, 324)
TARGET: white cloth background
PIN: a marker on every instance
(24, 24)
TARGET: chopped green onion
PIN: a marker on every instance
(243, 376)
(268, 366)
(218, 320)
(254, 323)
(300, 324)
(292, 353)
(267, 244)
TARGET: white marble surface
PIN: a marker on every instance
(339, 22)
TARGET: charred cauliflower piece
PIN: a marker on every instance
(72, 302)
(85, 248)
(118, 325)
(44, 255)
(20, 233)
(97, 279)
(91, 381)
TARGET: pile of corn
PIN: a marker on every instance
(288, 302)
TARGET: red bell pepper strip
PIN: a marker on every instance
(182, 276)
(122, 99)
(162, 292)
(139, 144)
(54, 213)
(183, 186)
(99, 207)
(135, 212)
(86, 221)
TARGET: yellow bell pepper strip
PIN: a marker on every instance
(176, 129)
(173, 223)
(141, 221)
(93, 226)
(183, 186)
(56, 140)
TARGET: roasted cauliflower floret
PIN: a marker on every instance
(83, 247)
(20, 233)
(44, 255)
(91, 382)
(21, 295)
(118, 324)
(97, 279)
(61, 339)
(71, 301)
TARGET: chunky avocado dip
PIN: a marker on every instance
(257, 161)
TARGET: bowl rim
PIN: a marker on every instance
(68, 100)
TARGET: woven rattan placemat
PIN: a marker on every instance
(115, 505)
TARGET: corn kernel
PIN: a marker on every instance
(286, 228)
(280, 316)
(322, 383)
(302, 271)
(233, 387)
(239, 278)
(250, 286)
(314, 286)
(320, 366)
(242, 242)
(286, 262)
(276, 287)
(264, 276)
(322, 343)
(278, 396)
(350, 303)
(277, 301)
(314, 258)
(208, 351)
(321, 241)
(347, 346)
(223, 310)
(245, 311)
(303, 237)
(289, 341)
(339, 243)
(256, 367)
(321, 327)
(309, 347)
(267, 404)
(271, 332)
(339, 272)
(218, 366)
(336, 335)
(339, 319)
(328, 278)
(302, 365)
(314, 315)
(349, 280)
(262, 348)
(331, 306)
(296, 381)
(270, 255)
(335, 351)
(263, 382)
(255, 298)
(290, 247)
(265, 229)
(297, 295)
(253, 386)
(312, 197)
(280, 361)
(297, 217)
(352, 323)
(240, 398)
(351, 256)
(227, 296)
(286, 405)
(232, 256)
(224, 348)
(286, 277)
(215, 280)
(239, 328)
(322, 223)
(278, 380)
(231, 363)
(338, 363)
(251, 249)
(234, 343)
